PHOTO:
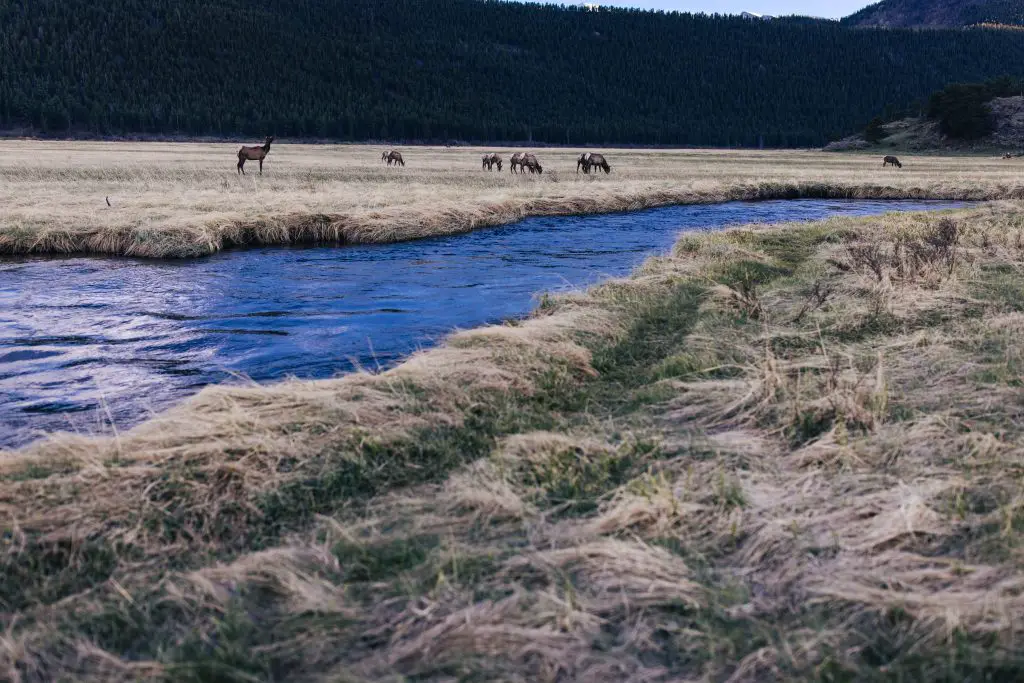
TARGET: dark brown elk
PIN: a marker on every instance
(516, 162)
(529, 161)
(395, 158)
(492, 160)
(258, 153)
(583, 162)
(598, 161)
(891, 161)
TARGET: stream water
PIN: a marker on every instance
(87, 340)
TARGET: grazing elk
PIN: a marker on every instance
(891, 161)
(492, 160)
(598, 161)
(256, 153)
(583, 162)
(395, 158)
(516, 162)
(529, 161)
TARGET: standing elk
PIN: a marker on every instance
(583, 162)
(529, 161)
(492, 160)
(516, 162)
(395, 158)
(256, 153)
(598, 161)
(891, 161)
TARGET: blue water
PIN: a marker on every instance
(86, 340)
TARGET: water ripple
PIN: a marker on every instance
(81, 337)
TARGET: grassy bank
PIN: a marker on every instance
(777, 454)
(181, 200)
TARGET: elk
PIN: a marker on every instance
(891, 160)
(598, 161)
(395, 158)
(516, 161)
(492, 160)
(529, 161)
(256, 153)
(584, 162)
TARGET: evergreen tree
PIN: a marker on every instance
(435, 70)
(874, 132)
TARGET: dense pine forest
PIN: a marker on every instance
(469, 70)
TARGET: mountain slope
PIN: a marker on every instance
(938, 13)
(464, 69)
(919, 134)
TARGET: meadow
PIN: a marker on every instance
(777, 453)
(185, 199)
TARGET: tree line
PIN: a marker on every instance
(962, 108)
(474, 70)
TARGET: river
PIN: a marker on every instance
(86, 341)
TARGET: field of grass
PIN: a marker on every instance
(788, 453)
(184, 199)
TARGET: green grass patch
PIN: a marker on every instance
(47, 572)
(1002, 285)
(385, 559)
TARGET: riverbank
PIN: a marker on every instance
(176, 200)
(779, 453)
(90, 342)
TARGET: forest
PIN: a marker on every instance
(961, 109)
(467, 70)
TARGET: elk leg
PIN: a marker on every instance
(241, 166)
(261, 166)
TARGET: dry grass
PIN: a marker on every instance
(180, 200)
(787, 453)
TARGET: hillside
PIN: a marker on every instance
(960, 117)
(938, 13)
(464, 70)
(920, 134)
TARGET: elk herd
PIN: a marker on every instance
(520, 162)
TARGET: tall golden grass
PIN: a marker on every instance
(184, 199)
(779, 453)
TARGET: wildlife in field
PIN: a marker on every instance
(255, 153)
(890, 160)
(598, 161)
(515, 162)
(395, 157)
(491, 160)
(529, 161)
